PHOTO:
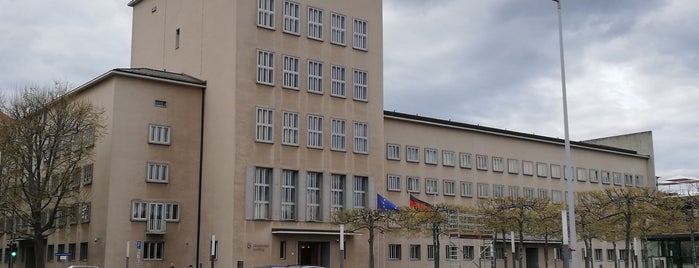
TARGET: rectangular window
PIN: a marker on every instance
(514, 191)
(611, 255)
(315, 76)
(394, 251)
(451, 252)
(623, 255)
(393, 183)
(337, 28)
(617, 178)
(482, 162)
(337, 192)
(139, 211)
(448, 158)
(393, 151)
(158, 172)
(315, 23)
(449, 188)
(83, 251)
(360, 34)
(430, 156)
(528, 168)
(483, 190)
(582, 174)
(466, 189)
(265, 67)
(291, 72)
(282, 249)
(262, 184)
(639, 180)
(85, 212)
(172, 212)
(528, 193)
(290, 128)
(555, 171)
(605, 177)
(292, 14)
(430, 252)
(158, 134)
(71, 250)
(288, 194)
(153, 251)
(513, 166)
(498, 165)
(361, 137)
(414, 252)
(412, 154)
(337, 81)
(315, 131)
(542, 170)
(361, 185)
(499, 253)
(431, 186)
(543, 194)
(467, 252)
(594, 176)
(87, 173)
(465, 160)
(337, 135)
(264, 125)
(313, 199)
(598, 254)
(360, 85)
(265, 13)
(628, 179)
(498, 191)
(413, 184)
(50, 251)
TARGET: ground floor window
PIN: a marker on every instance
(153, 250)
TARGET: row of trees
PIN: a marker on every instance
(612, 215)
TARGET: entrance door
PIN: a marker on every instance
(314, 253)
(659, 262)
(532, 257)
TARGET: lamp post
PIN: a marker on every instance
(569, 162)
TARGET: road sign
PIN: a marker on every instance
(59, 254)
(138, 244)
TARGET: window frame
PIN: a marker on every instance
(314, 131)
(264, 125)
(265, 9)
(159, 134)
(338, 134)
(338, 27)
(160, 170)
(447, 158)
(291, 122)
(338, 81)
(315, 77)
(360, 82)
(413, 184)
(393, 183)
(481, 162)
(291, 72)
(360, 34)
(393, 151)
(465, 160)
(315, 23)
(412, 154)
(361, 138)
(449, 187)
(431, 186)
(292, 18)
(431, 156)
(265, 67)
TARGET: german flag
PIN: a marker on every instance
(419, 204)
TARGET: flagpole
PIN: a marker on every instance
(569, 162)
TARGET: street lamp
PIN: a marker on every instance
(569, 162)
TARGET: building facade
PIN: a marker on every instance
(242, 125)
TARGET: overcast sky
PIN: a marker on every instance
(631, 65)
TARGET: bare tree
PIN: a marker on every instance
(46, 135)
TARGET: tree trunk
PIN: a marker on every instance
(546, 250)
(616, 260)
(371, 247)
(435, 242)
(39, 250)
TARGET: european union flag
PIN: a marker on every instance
(383, 204)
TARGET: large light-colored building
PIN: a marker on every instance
(251, 121)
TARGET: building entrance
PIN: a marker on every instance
(314, 253)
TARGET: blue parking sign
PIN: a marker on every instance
(138, 244)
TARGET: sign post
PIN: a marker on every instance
(213, 250)
(128, 243)
(342, 246)
(138, 254)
